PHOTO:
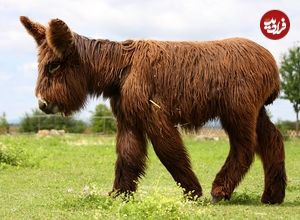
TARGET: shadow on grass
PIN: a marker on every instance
(249, 199)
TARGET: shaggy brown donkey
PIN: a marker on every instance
(154, 85)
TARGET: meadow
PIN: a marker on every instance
(69, 177)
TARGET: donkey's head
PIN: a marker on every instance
(61, 85)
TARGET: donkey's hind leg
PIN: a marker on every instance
(242, 137)
(271, 151)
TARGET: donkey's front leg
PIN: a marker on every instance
(131, 153)
(171, 151)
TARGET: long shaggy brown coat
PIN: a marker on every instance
(155, 85)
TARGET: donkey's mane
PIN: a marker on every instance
(105, 55)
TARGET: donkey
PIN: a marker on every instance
(155, 85)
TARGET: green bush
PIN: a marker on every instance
(285, 126)
(103, 120)
(37, 120)
(13, 156)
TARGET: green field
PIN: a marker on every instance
(69, 178)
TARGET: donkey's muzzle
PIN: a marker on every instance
(48, 108)
(42, 105)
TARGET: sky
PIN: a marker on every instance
(131, 19)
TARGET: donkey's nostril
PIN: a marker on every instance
(42, 104)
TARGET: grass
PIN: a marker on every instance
(69, 177)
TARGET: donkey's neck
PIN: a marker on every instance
(105, 63)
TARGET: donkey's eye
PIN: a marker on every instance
(52, 67)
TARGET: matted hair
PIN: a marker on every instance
(155, 85)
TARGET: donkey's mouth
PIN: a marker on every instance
(52, 107)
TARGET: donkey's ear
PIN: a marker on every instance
(59, 37)
(36, 30)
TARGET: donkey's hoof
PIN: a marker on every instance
(114, 193)
(216, 199)
(218, 193)
(272, 199)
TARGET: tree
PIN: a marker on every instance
(290, 80)
(38, 120)
(103, 120)
(4, 127)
